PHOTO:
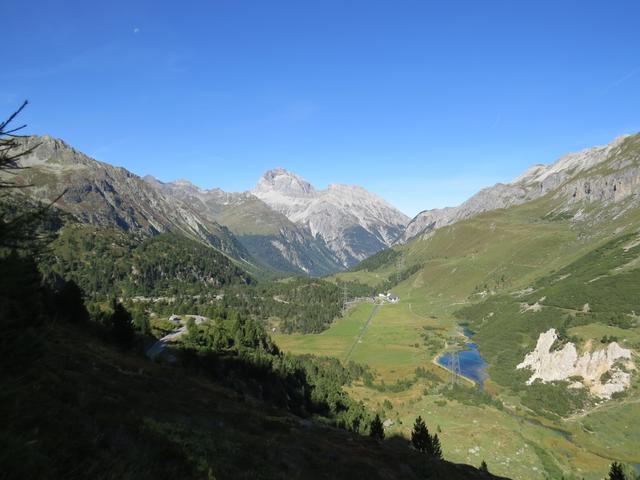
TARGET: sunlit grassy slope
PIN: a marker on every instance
(471, 263)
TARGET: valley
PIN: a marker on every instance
(508, 274)
(286, 313)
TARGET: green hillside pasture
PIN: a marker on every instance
(393, 343)
(335, 341)
(593, 279)
(512, 445)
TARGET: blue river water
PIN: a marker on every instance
(472, 365)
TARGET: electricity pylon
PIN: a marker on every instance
(454, 367)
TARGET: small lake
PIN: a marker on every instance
(472, 365)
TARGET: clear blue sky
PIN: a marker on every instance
(421, 102)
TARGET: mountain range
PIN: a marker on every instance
(284, 224)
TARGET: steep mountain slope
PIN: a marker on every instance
(509, 248)
(108, 196)
(268, 235)
(353, 222)
(608, 173)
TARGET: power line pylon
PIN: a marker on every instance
(400, 267)
(344, 296)
(454, 367)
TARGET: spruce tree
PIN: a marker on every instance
(436, 447)
(192, 336)
(616, 472)
(483, 467)
(420, 438)
(376, 430)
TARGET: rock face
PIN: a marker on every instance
(552, 365)
(352, 222)
(268, 235)
(607, 174)
(108, 196)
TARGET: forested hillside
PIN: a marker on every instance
(107, 262)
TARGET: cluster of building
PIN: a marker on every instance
(389, 297)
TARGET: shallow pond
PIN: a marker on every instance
(472, 365)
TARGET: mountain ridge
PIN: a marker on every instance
(105, 195)
(533, 183)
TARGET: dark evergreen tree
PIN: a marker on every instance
(616, 472)
(121, 325)
(436, 447)
(376, 430)
(483, 467)
(420, 438)
(70, 303)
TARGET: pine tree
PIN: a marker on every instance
(616, 472)
(420, 438)
(483, 467)
(376, 430)
(436, 447)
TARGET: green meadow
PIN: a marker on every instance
(463, 271)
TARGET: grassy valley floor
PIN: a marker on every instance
(513, 441)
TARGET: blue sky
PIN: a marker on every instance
(421, 102)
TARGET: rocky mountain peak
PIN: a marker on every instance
(285, 183)
(353, 222)
(183, 182)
